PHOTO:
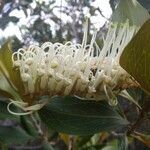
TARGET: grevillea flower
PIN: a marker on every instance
(83, 70)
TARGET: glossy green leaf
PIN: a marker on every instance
(135, 58)
(80, 117)
(13, 135)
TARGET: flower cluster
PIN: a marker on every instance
(83, 69)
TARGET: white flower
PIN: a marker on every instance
(76, 69)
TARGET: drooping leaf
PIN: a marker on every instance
(135, 58)
(13, 135)
(72, 115)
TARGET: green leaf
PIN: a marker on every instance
(131, 10)
(4, 114)
(80, 117)
(13, 135)
(135, 58)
